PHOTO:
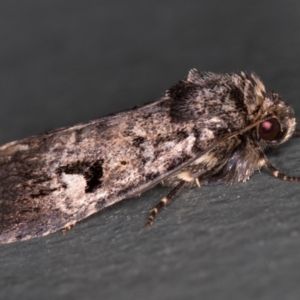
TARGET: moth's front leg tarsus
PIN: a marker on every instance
(164, 202)
(278, 174)
(68, 228)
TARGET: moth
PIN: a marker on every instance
(207, 129)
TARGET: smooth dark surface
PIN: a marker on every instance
(64, 62)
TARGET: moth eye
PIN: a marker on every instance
(269, 129)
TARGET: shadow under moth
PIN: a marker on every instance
(207, 129)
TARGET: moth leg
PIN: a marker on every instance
(278, 174)
(68, 228)
(297, 132)
(164, 202)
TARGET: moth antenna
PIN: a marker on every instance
(164, 202)
(297, 132)
(278, 174)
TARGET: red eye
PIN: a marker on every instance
(269, 129)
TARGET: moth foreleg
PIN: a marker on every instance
(164, 202)
(198, 182)
(278, 174)
(68, 228)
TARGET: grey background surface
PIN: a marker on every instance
(63, 62)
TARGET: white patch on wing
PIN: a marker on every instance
(75, 184)
(74, 199)
(75, 191)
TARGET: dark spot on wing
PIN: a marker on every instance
(42, 192)
(178, 161)
(77, 167)
(152, 176)
(93, 176)
(92, 173)
(236, 94)
(137, 141)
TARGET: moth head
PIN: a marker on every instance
(278, 121)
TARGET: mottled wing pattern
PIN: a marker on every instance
(51, 181)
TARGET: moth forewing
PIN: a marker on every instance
(208, 129)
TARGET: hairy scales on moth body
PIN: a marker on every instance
(208, 129)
